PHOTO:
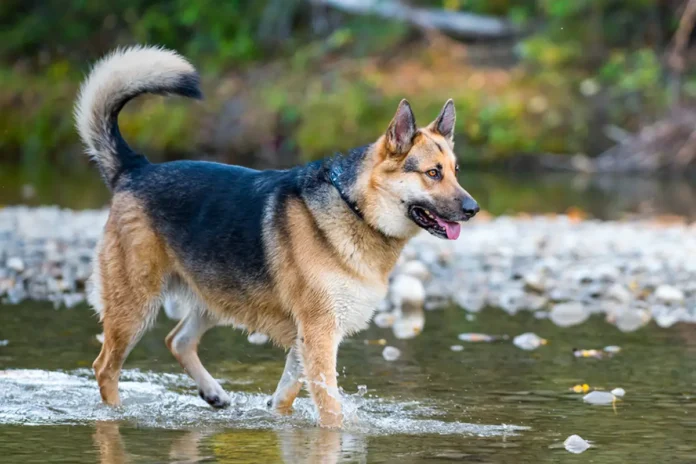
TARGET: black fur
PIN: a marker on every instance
(188, 85)
(212, 214)
(411, 164)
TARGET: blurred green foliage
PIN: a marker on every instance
(324, 81)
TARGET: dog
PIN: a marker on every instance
(302, 255)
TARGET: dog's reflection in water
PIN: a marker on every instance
(311, 445)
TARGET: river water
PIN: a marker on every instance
(488, 403)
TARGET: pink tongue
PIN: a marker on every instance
(452, 228)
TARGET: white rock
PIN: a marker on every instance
(408, 324)
(528, 341)
(384, 320)
(532, 302)
(4, 342)
(599, 397)
(257, 338)
(70, 300)
(472, 303)
(669, 294)
(406, 288)
(457, 348)
(391, 353)
(630, 320)
(613, 349)
(619, 293)
(535, 281)
(666, 316)
(384, 305)
(575, 444)
(415, 269)
(16, 264)
(618, 392)
(569, 314)
(606, 273)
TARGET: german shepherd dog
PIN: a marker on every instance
(301, 255)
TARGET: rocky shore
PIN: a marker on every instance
(557, 267)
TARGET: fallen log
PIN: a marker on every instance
(454, 23)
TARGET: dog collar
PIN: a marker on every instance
(334, 173)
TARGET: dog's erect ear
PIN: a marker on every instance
(444, 123)
(401, 129)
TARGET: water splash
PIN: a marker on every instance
(38, 397)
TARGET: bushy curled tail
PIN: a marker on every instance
(116, 79)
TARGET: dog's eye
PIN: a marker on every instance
(456, 168)
(433, 173)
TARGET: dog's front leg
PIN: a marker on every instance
(319, 350)
(289, 385)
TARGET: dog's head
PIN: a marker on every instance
(412, 180)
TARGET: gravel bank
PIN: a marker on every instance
(566, 270)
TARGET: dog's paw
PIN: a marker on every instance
(284, 408)
(217, 400)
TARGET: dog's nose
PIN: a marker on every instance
(470, 207)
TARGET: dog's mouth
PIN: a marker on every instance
(434, 224)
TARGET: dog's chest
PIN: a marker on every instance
(354, 302)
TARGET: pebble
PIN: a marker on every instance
(408, 324)
(471, 303)
(569, 314)
(406, 289)
(535, 281)
(528, 341)
(669, 294)
(619, 293)
(629, 320)
(666, 316)
(45, 255)
(4, 342)
(384, 320)
(618, 392)
(576, 444)
(457, 348)
(417, 269)
(475, 337)
(391, 353)
(257, 338)
(16, 264)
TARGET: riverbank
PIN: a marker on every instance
(559, 267)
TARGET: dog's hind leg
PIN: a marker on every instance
(124, 324)
(131, 264)
(183, 343)
(289, 385)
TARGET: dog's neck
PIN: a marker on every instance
(343, 171)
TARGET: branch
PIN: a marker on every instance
(677, 58)
(455, 23)
(681, 37)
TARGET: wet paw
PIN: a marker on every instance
(215, 400)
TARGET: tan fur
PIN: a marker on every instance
(132, 264)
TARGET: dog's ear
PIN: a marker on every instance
(444, 123)
(401, 130)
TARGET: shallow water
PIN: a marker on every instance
(491, 402)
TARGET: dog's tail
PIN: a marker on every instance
(116, 79)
